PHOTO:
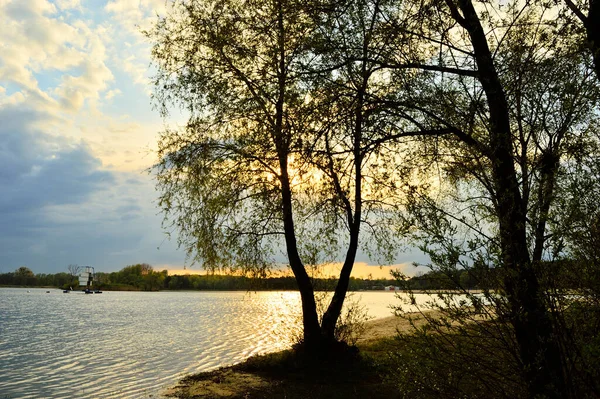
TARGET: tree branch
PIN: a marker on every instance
(426, 67)
(577, 12)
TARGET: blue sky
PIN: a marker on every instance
(77, 134)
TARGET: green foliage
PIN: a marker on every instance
(427, 364)
(498, 206)
(24, 276)
(139, 277)
(272, 103)
(283, 133)
(220, 178)
(300, 127)
(351, 325)
(465, 353)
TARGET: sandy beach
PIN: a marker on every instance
(389, 326)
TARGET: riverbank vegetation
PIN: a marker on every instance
(142, 277)
(419, 355)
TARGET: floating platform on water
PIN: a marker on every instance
(87, 291)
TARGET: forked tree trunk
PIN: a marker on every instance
(310, 319)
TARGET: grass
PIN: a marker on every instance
(370, 372)
(474, 360)
(286, 375)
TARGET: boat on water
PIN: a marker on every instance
(86, 278)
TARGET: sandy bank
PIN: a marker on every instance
(389, 326)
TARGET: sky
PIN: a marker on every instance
(77, 136)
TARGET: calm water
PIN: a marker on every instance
(134, 345)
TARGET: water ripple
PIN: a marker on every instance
(132, 345)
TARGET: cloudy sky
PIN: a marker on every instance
(77, 134)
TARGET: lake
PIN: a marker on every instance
(135, 344)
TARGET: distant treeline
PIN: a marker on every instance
(142, 277)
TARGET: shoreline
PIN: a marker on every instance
(382, 327)
(136, 289)
(269, 375)
(388, 327)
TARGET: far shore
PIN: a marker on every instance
(135, 289)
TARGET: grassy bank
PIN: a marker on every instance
(434, 358)
(284, 375)
(280, 375)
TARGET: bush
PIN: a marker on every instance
(468, 363)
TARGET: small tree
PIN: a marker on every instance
(282, 137)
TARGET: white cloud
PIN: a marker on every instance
(136, 69)
(68, 4)
(74, 137)
(132, 14)
(112, 93)
(75, 90)
(36, 41)
(131, 18)
(27, 8)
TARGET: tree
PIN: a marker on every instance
(518, 104)
(24, 271)
(24, 276)
(350, 137)
(227, 179)
(280, 140)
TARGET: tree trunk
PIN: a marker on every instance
(549, 166)
(334, 310)
(539, 352)
(592, 27)
(310, 320)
